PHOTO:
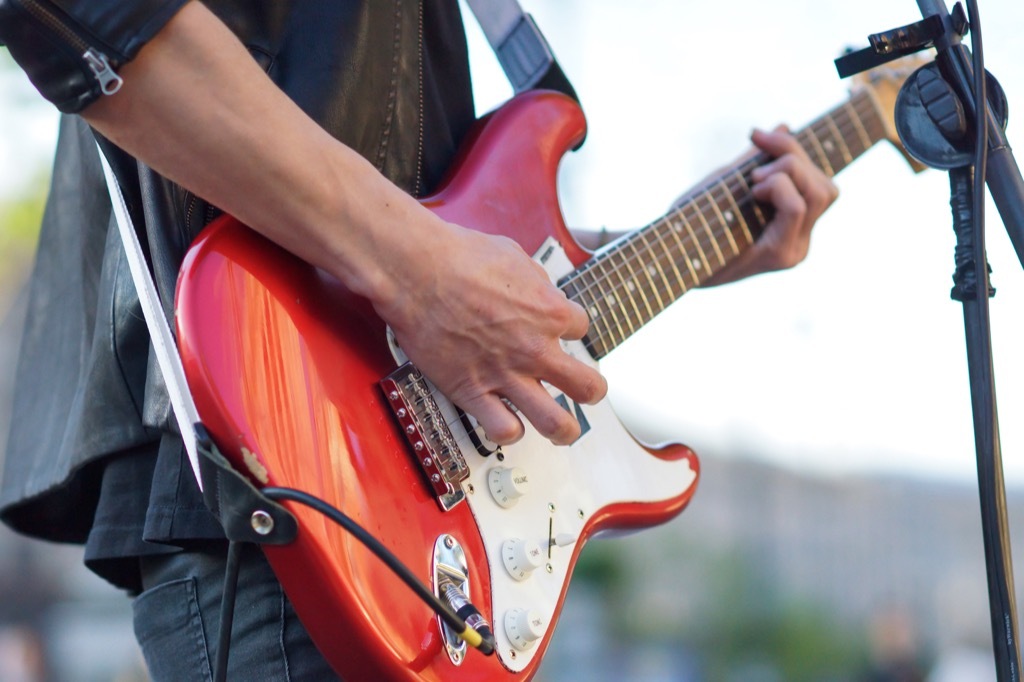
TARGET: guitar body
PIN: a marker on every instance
(285, 366)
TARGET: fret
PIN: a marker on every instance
(668, 254)
(854, 132)
(662, 277)
(570, 286)
(626, 286)
(636, 278)
(674, 231)
(581, 295)
(707, 229)
(865, 139)
(873, 119)
(696, 243)
(648, 255)
(598, 309)
(607, 301)
(758, 214)
(737, 212)
(590, 341)
(629, 286)
(723, 222)
(647, 271)
(624, 305)
(823, 131)
(838, 137)
(819, 152)
(865, 119)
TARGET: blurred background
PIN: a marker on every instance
(835, 534)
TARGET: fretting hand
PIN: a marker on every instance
(800, 193)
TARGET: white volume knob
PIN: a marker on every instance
(521, 557)
(524, 627)
(507, 485)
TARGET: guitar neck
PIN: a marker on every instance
(625, 285)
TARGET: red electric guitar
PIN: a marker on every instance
(299, 386)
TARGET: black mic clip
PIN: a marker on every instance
(899, 42)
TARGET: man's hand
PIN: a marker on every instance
(484, 322)
(800, 193)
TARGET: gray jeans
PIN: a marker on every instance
(178, 613)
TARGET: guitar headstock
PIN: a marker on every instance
(883, 83)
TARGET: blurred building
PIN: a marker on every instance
(892, 567)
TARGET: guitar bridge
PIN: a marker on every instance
(424, 426)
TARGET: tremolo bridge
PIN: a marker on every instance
(425, 427)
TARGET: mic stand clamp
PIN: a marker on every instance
(900, 42)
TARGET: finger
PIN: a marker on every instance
(791, 157)
(577, 323)
(576, 379)
(780, 190)
(500, 424)
(786, 243)
(778, 142)
(549, 418)
(799, 168)
(816, 188)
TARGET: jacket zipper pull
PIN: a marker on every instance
(110, 82)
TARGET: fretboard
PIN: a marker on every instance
(625, 285)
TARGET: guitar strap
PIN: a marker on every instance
(528, 62)
(522, 51)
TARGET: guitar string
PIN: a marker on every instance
(714, 196)
(709, 191)
(844, 124)
(650, 254)
(837, 120)
(832, 156)
(628, 256)
(455, 427)
(690, 200)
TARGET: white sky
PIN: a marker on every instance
(852, 362)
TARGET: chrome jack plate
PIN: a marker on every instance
(450, 566)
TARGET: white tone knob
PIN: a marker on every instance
(521, 557)
(507, 485)
(524, 627)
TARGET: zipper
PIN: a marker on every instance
(108, 79)
(418, 187)
(190, 206)
(209, 212)
(97, 61)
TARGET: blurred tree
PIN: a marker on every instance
(21, 202)
(754, 627)
(19, 231)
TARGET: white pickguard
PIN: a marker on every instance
(567, 486)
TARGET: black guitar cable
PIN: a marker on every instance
(468, 622)
(480, 637)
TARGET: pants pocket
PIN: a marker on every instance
(170, 632)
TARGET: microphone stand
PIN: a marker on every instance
(951, 115)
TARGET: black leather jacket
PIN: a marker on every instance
(387, 77)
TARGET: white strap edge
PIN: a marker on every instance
(164, 345)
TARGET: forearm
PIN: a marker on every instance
(198, 109)
(473, 311)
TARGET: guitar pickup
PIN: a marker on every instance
(411, 399)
